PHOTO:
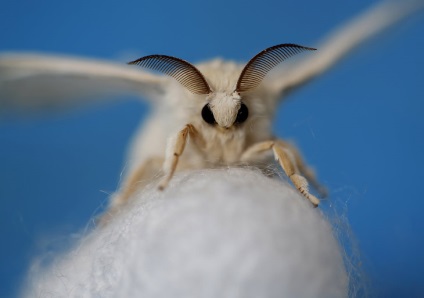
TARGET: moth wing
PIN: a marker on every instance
(343, 41)
(37, 81)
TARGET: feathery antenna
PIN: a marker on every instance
(257, 68)
(185, 73)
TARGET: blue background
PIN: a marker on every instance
(360, 124)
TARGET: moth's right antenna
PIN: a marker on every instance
(185, 73)
(257, 68)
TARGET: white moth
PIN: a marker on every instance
(222, 117)
(213, 114)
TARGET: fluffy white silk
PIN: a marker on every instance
(211, 233)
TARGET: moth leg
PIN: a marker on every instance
(139, 178)
(136, 180)
(306, 171)
(288, 164)
(175, 149)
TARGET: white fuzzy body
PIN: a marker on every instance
(179, 107)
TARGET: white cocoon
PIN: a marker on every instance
(211, 233)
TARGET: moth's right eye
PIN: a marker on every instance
(207, 115)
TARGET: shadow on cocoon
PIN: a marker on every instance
(211, 233)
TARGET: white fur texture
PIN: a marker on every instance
(212, 233)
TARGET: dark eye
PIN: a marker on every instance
(242, 114)
(207, 115)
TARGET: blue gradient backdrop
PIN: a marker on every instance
(360, 124)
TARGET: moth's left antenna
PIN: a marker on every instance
(184, 72)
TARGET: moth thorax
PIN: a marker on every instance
(225, 108)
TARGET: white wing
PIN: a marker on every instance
(343, 41)
(32, 80)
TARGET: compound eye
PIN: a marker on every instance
(242, 114)
(207, 115)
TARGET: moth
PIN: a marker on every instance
(222, 117)
(212, 114)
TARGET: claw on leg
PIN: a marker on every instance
(302, 185)
(306, 171)
(289, 167)
(288, 161)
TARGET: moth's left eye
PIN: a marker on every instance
(207, 115)
(242, 114)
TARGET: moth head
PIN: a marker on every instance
(223, 109)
